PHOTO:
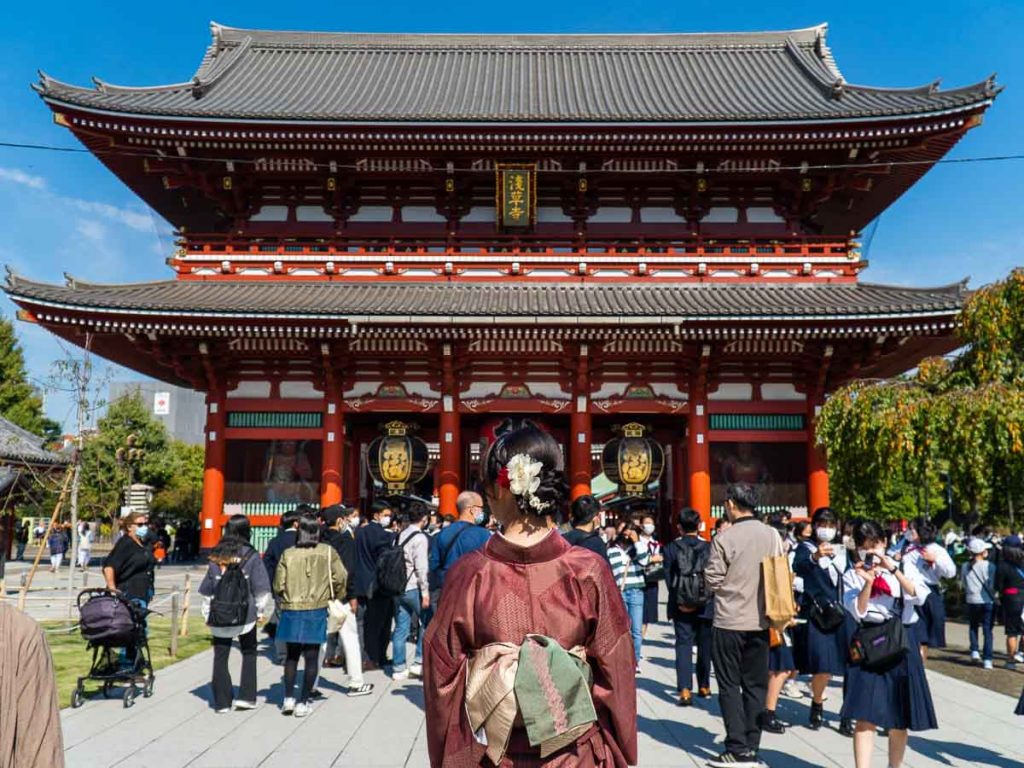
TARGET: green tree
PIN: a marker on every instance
(178, 472)
(966, 418)
(19, 401)
(103, 478)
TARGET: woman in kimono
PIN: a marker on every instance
(529, 659)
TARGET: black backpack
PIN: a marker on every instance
(391, 573)
(690, 589)
(229, 606)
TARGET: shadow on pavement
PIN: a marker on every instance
(942, 752)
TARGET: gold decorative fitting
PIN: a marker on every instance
(227, 183)
(805, 185)
(702, 185)
(61, 119)
(581, 185)
(332, 183)
(449, 185)
(633, 430)
(395, 428)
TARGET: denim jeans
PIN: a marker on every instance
(405, 606)
(981, 616)
(634, 599)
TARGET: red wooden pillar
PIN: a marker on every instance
(213, 473)
(580, 464)
(698, 457)
(450, 440)
(333, 445)
(817, 468)
(680, 495)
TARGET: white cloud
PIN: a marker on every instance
(91, 230)
(16, 176)
(137, 220)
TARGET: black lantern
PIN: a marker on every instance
(633, 461)
(396, 459)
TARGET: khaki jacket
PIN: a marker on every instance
(303, 578)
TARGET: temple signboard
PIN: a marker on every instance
(516, 192)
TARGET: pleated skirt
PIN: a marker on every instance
(931, 625)
(898, 698)
(780, 659)
(817, 652)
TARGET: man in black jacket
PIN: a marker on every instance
(692, 621)
(339, 534)
(272, 556)
(585, 516)
(375, 611)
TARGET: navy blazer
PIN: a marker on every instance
(817, 580)
(371, 541)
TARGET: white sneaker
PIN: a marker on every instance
(302, 709)
(403, 675)
(987, 664)
(416, 670)
(223, 710)
(791, 691)
(245, 704)
(975, 656)
(1019, 657)
(288, 706)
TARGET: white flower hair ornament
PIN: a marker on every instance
(522, 477)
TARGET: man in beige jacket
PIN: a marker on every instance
(739, 642)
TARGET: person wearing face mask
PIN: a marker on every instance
(466, 534)
(585, 516)
(820, 641)
(897, 696)
(653, 572)
(933, 562)
(375, 610)
(130, 566)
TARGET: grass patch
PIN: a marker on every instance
(71, 660)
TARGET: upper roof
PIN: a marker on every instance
(434, 302)
(18, 445)
(661, 78)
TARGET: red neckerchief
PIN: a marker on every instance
(880, 587)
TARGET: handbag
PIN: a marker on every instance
(878, 647)
(336, 613)
(828, 617)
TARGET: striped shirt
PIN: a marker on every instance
(628, 566)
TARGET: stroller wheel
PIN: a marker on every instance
(147, 689)
(129, 696)
(76, 698)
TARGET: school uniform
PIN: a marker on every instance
(931, 630)
(897, 698)
(780, 658)
(815, 651)
(651, 587)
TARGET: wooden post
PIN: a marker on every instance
(53, 519)
(213, 473)
(185, 605)
(174, 625)
(22, 594)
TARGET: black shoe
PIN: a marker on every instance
(770, 723)
(817, 717)
(733, 760)
(316, 695)
(846, 727)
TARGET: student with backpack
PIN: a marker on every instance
(375, 609)
(690, 606)
(307, 578)
(403, 574)
(236, 589)
(978, 577)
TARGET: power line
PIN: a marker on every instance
(589, 172)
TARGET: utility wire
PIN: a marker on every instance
(575, 172)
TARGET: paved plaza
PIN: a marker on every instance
(177, 727)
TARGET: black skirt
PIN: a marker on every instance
(932, 620)
(780, 659)
(651, 603)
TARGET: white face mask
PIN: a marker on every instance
(385, 520)
(649, 528)
(848, 543)
(825, 534)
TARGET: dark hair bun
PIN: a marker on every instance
(584, 509)
(539, 446)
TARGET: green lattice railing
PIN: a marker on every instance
(275, 419)
(760, 422)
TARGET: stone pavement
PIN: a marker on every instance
(177, 727)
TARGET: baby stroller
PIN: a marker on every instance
(109, 622)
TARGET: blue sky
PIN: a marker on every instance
(65, 213)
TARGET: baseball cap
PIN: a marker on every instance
(976, 546)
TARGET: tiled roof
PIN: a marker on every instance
(439, 302)
(18, 445)
(712, 77)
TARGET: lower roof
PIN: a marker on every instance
(445, 302)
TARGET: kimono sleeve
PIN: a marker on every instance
(36, 710)
(611, 656)
(445, 656)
